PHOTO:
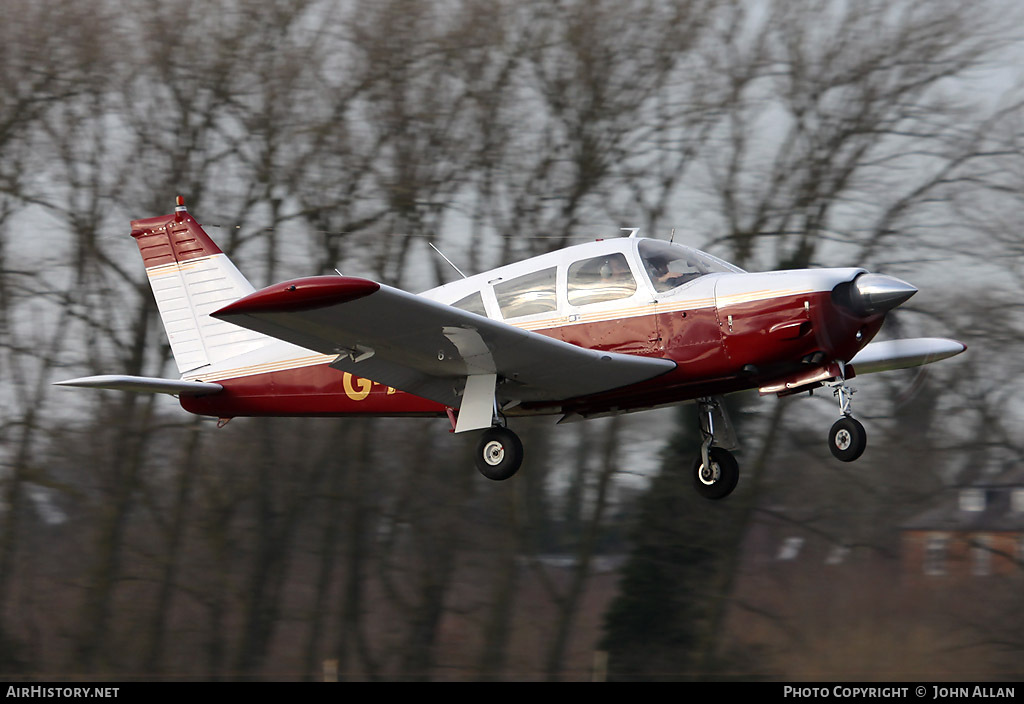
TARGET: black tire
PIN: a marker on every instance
(847, 439)
(499, 454)
(719, 481)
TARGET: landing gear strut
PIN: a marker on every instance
(715, 471)
(847, 438)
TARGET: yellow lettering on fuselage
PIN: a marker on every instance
(354, 393)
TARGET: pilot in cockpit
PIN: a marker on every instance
(660, 272)
(665, 278)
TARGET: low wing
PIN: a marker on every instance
(431, 349)
(143, 384)
(901, 354)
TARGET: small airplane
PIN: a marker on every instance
(601, 328)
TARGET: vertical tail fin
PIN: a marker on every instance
(191, 277)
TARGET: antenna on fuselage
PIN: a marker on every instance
(631, 230)
(447, 260)
(672, 236)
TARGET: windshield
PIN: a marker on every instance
(672, 265)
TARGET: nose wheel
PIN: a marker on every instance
(499, 453)
(847, 439)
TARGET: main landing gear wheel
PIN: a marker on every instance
(719, 478)
(715, 471)
(499, 454)
(847, 439)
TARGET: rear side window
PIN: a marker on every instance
(600, 279)
(528, 294)
(473, 303)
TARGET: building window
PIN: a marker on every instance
(972, 499)
(790, 548)
(981, 556)
(837, 555)
(935, 555)
(1017, 499)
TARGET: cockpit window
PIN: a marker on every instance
(600, 279)
(528, 294)
(672, 265)
(474, 303)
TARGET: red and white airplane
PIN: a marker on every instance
(595, 329)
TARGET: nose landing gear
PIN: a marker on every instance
(847, 439)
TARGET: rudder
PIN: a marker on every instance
(191, 277)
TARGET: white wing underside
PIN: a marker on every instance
(889, 355)
(143, 384)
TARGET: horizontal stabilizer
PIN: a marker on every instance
(143, 384)
(900, 354)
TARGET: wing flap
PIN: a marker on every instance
(428, 348)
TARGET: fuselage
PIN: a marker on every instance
(726, 330)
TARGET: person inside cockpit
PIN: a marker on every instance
(660, 274)
(669, 265)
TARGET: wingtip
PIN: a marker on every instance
(141, 384)
(951, 346)
(300, 294)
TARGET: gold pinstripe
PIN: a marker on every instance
(659, 308)
(254, 369)
(175, 267)
(597, 317)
